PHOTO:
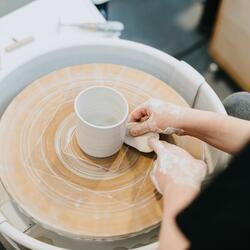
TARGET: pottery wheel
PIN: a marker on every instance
(55, 183)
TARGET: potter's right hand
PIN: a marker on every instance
(175, 166)
(156, 116)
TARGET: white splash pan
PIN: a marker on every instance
(47, 57)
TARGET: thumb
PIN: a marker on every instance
(140, 128)
(154, 178)
(155, 144)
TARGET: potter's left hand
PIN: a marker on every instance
(174, 165)
(157, 116)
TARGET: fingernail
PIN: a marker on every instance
(133, 132)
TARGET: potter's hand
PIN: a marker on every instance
(156, 116)
(174, 165)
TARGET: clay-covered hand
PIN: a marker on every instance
(175, 165)
(156, 116)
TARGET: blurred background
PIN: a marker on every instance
(182, 28)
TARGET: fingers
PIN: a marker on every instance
(156, 145)
(154, 178)
(140, 128)
(138, 113)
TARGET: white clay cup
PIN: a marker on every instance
(102, 114)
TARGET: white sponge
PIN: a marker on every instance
(139, 142)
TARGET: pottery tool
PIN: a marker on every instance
(108, 26)
(141, 142)
(16, 44)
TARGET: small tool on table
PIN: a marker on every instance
(109, 26)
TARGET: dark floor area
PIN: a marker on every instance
(172, 26)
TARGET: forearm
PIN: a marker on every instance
(224, 132)
(176, 197)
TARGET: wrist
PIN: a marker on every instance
(184, 118)
(172, 188)
(177, 196)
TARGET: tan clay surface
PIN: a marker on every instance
(58, 185)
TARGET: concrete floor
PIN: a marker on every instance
(169, 25)
(6, 6)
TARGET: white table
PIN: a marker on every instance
(40, 19)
